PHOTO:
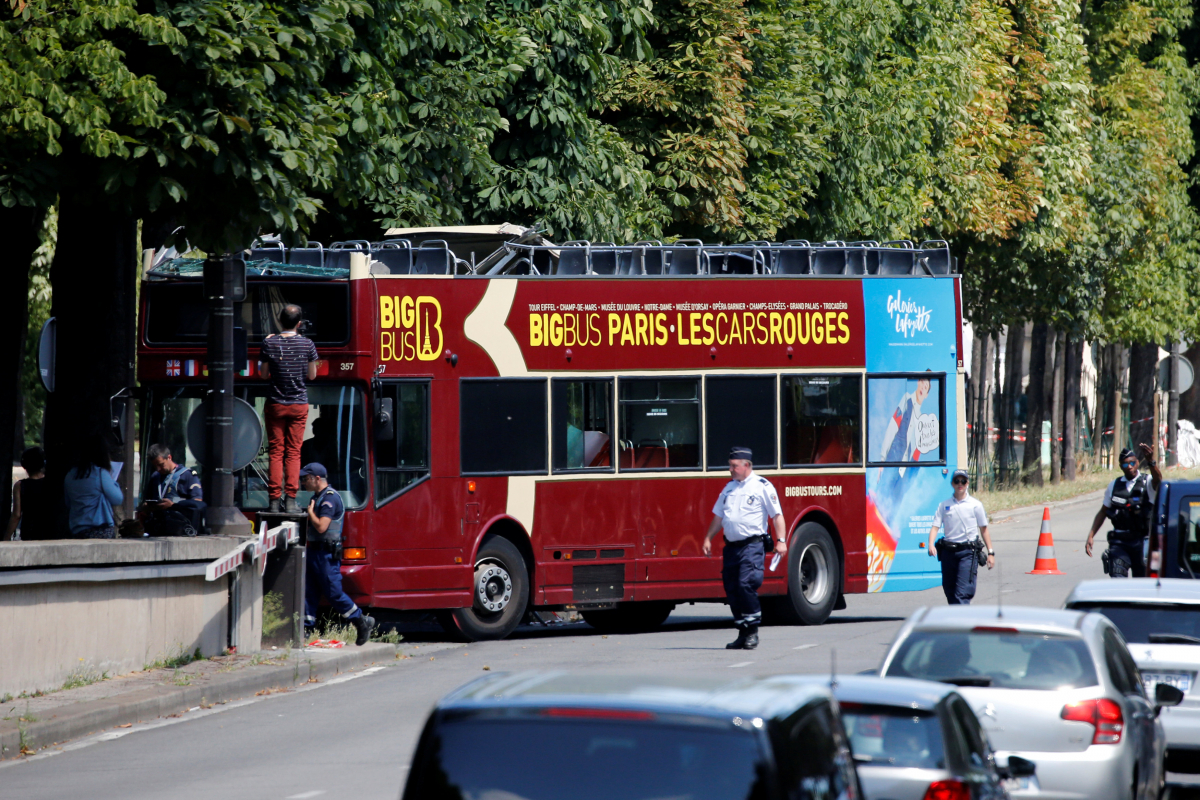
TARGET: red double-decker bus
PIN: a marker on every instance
(514, 425)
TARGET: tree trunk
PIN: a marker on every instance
(1072, 374)
(93, 278)
(1143, 364)
(1014, 369)
(1056, 415)
(19, 232)
(982, 420)
(1031, 464)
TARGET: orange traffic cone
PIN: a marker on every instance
(1044, 563)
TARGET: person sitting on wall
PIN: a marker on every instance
(174, 504)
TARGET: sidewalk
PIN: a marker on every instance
(30, 723)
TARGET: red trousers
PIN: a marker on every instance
(285, 434)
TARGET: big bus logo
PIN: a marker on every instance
(410, 329)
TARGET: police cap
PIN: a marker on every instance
(314, 469)
(742, 453)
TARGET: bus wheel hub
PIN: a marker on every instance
(493, 587)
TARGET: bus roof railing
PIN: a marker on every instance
(579, 258)
(687, 257)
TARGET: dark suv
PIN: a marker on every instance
(547, 736)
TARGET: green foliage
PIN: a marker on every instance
(32, 391)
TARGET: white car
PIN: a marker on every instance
(1058, 688)
(1160, 621)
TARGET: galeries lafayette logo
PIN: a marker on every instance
(908, 315)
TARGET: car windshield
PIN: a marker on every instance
(334, 435)
(894, 737)
(1139, 621)
(1000, 658)
(484, 757)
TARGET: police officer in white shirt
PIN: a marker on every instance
(965, 535)
(747, 510)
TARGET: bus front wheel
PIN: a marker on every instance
(499, 593)
(813, 576)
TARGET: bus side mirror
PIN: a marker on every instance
(385, 431)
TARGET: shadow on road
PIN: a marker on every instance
(429, 631)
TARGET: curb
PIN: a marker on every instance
(1079, 498)
(81, 719)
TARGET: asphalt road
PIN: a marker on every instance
(353, 737)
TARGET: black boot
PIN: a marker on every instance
(274, 506)
(751, 640)
(364, 624)
(289, 505)
(740, 642)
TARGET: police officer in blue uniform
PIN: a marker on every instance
(1129, 503)
(747, 510)
(963, 539)
(323, 574)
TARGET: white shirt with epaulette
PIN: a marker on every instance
(747, 507)
(960, 520)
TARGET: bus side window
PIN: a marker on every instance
(581, 412)
(403, 460)
(739, 411)
(502, 426)
(822, 419)
(660, 423)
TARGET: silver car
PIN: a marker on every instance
(1160, 621)
(1058, 688)
(919, 739)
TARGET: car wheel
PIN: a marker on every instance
(499, 591)
(814, 576)
(629, 617)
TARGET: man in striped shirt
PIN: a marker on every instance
(289, 360)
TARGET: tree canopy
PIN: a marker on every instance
(1048, 140)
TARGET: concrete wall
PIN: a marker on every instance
(114, 606)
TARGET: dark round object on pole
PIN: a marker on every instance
(247, 433)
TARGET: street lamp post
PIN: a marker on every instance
(224, 284)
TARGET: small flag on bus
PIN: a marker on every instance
(172, 367)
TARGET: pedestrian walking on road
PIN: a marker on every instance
(31, 500)
(964, 539)
(747, 510)
(289, 361)
(323, 576)
(1128, 502)
(91, 492)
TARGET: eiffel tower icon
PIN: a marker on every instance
(426, 348)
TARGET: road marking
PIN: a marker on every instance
(804, 646)
(306, 795)
(740, 664)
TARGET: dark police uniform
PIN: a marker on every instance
(182, 488)
(746, 509)
(960, 521)
(1128, 504)
(323, 575)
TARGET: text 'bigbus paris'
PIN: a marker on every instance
(685, 327)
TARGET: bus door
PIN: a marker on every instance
(415, 538)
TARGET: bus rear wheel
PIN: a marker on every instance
(500, 593)
(629, 617)
(813, 577)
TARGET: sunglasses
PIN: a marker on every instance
(1129, 463)
(957, 481)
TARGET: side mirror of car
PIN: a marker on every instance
(1020, 768)
(1166, 695)
(385, 431)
